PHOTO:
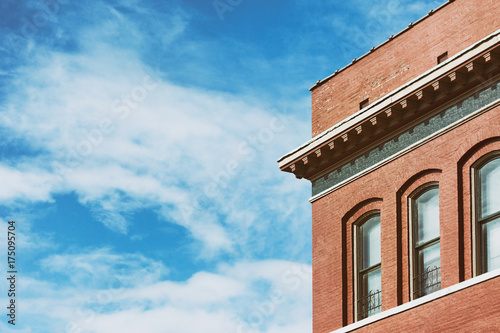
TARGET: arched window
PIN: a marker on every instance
(426, 258)
(487, 214)
(368, 266)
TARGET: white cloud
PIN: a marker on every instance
(101, 267)
(272, 296)
(30, 184)
(103, 125)
(123, 138)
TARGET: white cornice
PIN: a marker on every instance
(385, 102)
(407, 150)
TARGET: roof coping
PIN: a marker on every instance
(391, 38)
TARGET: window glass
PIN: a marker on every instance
(427, 206)
(490, 187)
(373, 281)
(371, 241)
(429, 257)
(427, 261)
(372, 286)
(491, 238)
(428, 279)
(369, 286)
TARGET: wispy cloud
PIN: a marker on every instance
(101, 268)
(244, 297)
(124, 138)
(25, 183)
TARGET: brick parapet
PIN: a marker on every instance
(451, 29)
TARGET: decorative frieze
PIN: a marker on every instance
(356, 136)
(400, 142)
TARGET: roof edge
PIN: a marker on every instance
(426, 77)
(391, 38)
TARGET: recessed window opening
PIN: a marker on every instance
(487, 192)
(369, 274)
(364, 103)
(442, 57)
(426, 259)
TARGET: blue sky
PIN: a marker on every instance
(138, 157)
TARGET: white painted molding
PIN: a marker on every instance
(407, 150)
(413, 86)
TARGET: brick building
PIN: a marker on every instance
(405, 170)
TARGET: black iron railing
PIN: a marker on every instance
(427, 282)
(370, 304)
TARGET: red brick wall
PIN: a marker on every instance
(386, 189)
(452, 29)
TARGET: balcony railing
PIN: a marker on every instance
(427, 282)
(370, 304)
